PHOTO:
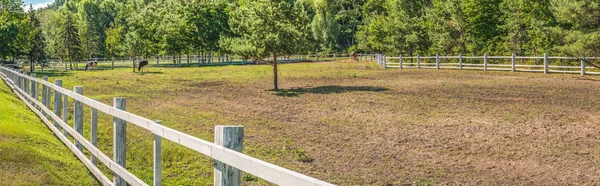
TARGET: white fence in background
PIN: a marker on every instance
(185, 60)
(27, 88)
(458, 62)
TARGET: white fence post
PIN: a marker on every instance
(157, 158)
(44, 93)
(33, 89)
(545, 63)
(57, 101)
(512, 59)
(485, 61)
(65, 112)
(231, 137)
(94, 132)
(400, 61)
(119, 148)
(78, 116)
(47, 93)
(384, 61)
(460, 61)
(418, 61)
(582, 66)
(25, 84)
(437, 61)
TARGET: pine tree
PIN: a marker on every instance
(70, 42)
(37, 53)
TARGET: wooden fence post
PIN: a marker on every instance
(418, 61)
(157, 158)
(18, 78)
(437, 61)
(44, 93)
(94, 133)
(514, 67)
(545, 63)
(582, 66)
(33, 89)
(57, 102)
(231, 137)
(119, 149)
(78, 116)
(384, 61)
(485, 61)
(48, 93)
(400, 61)
(26, 83)
(460, 61)
(65, 112)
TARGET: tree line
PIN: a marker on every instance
(255, 29)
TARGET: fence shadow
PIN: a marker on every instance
(40, 74)
(294, 92)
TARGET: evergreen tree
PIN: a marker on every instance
(70, 43)
(36, 53)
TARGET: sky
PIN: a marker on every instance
(37, 4)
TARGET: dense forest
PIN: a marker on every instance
(75, 30)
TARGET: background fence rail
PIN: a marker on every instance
(499, 63)
(17, 81)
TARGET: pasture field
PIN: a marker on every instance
(358, 124)
(29, 153)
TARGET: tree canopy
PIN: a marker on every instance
(111, 28)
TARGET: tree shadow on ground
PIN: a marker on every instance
(151, 72)
(295, 92)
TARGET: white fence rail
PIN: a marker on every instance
(56, 64)
(27, 88)
(458, 62)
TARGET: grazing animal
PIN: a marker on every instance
(143, 63)
(91, 64)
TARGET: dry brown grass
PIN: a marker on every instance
(356, 124)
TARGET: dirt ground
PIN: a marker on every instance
(357, 124)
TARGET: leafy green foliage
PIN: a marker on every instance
(256, 29)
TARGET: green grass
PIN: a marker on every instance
(29, 153)
(358, 124)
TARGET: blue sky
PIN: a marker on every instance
(36, 3)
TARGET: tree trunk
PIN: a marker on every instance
(133, 61)
(275, 73)
(30, 65)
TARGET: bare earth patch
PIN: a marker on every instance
(357, 124)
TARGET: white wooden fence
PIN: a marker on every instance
(27, 89)
(184, 60)
(457, 62)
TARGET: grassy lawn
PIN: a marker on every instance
(29, 153)
(357, 124)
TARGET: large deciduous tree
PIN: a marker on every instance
(268, 28)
